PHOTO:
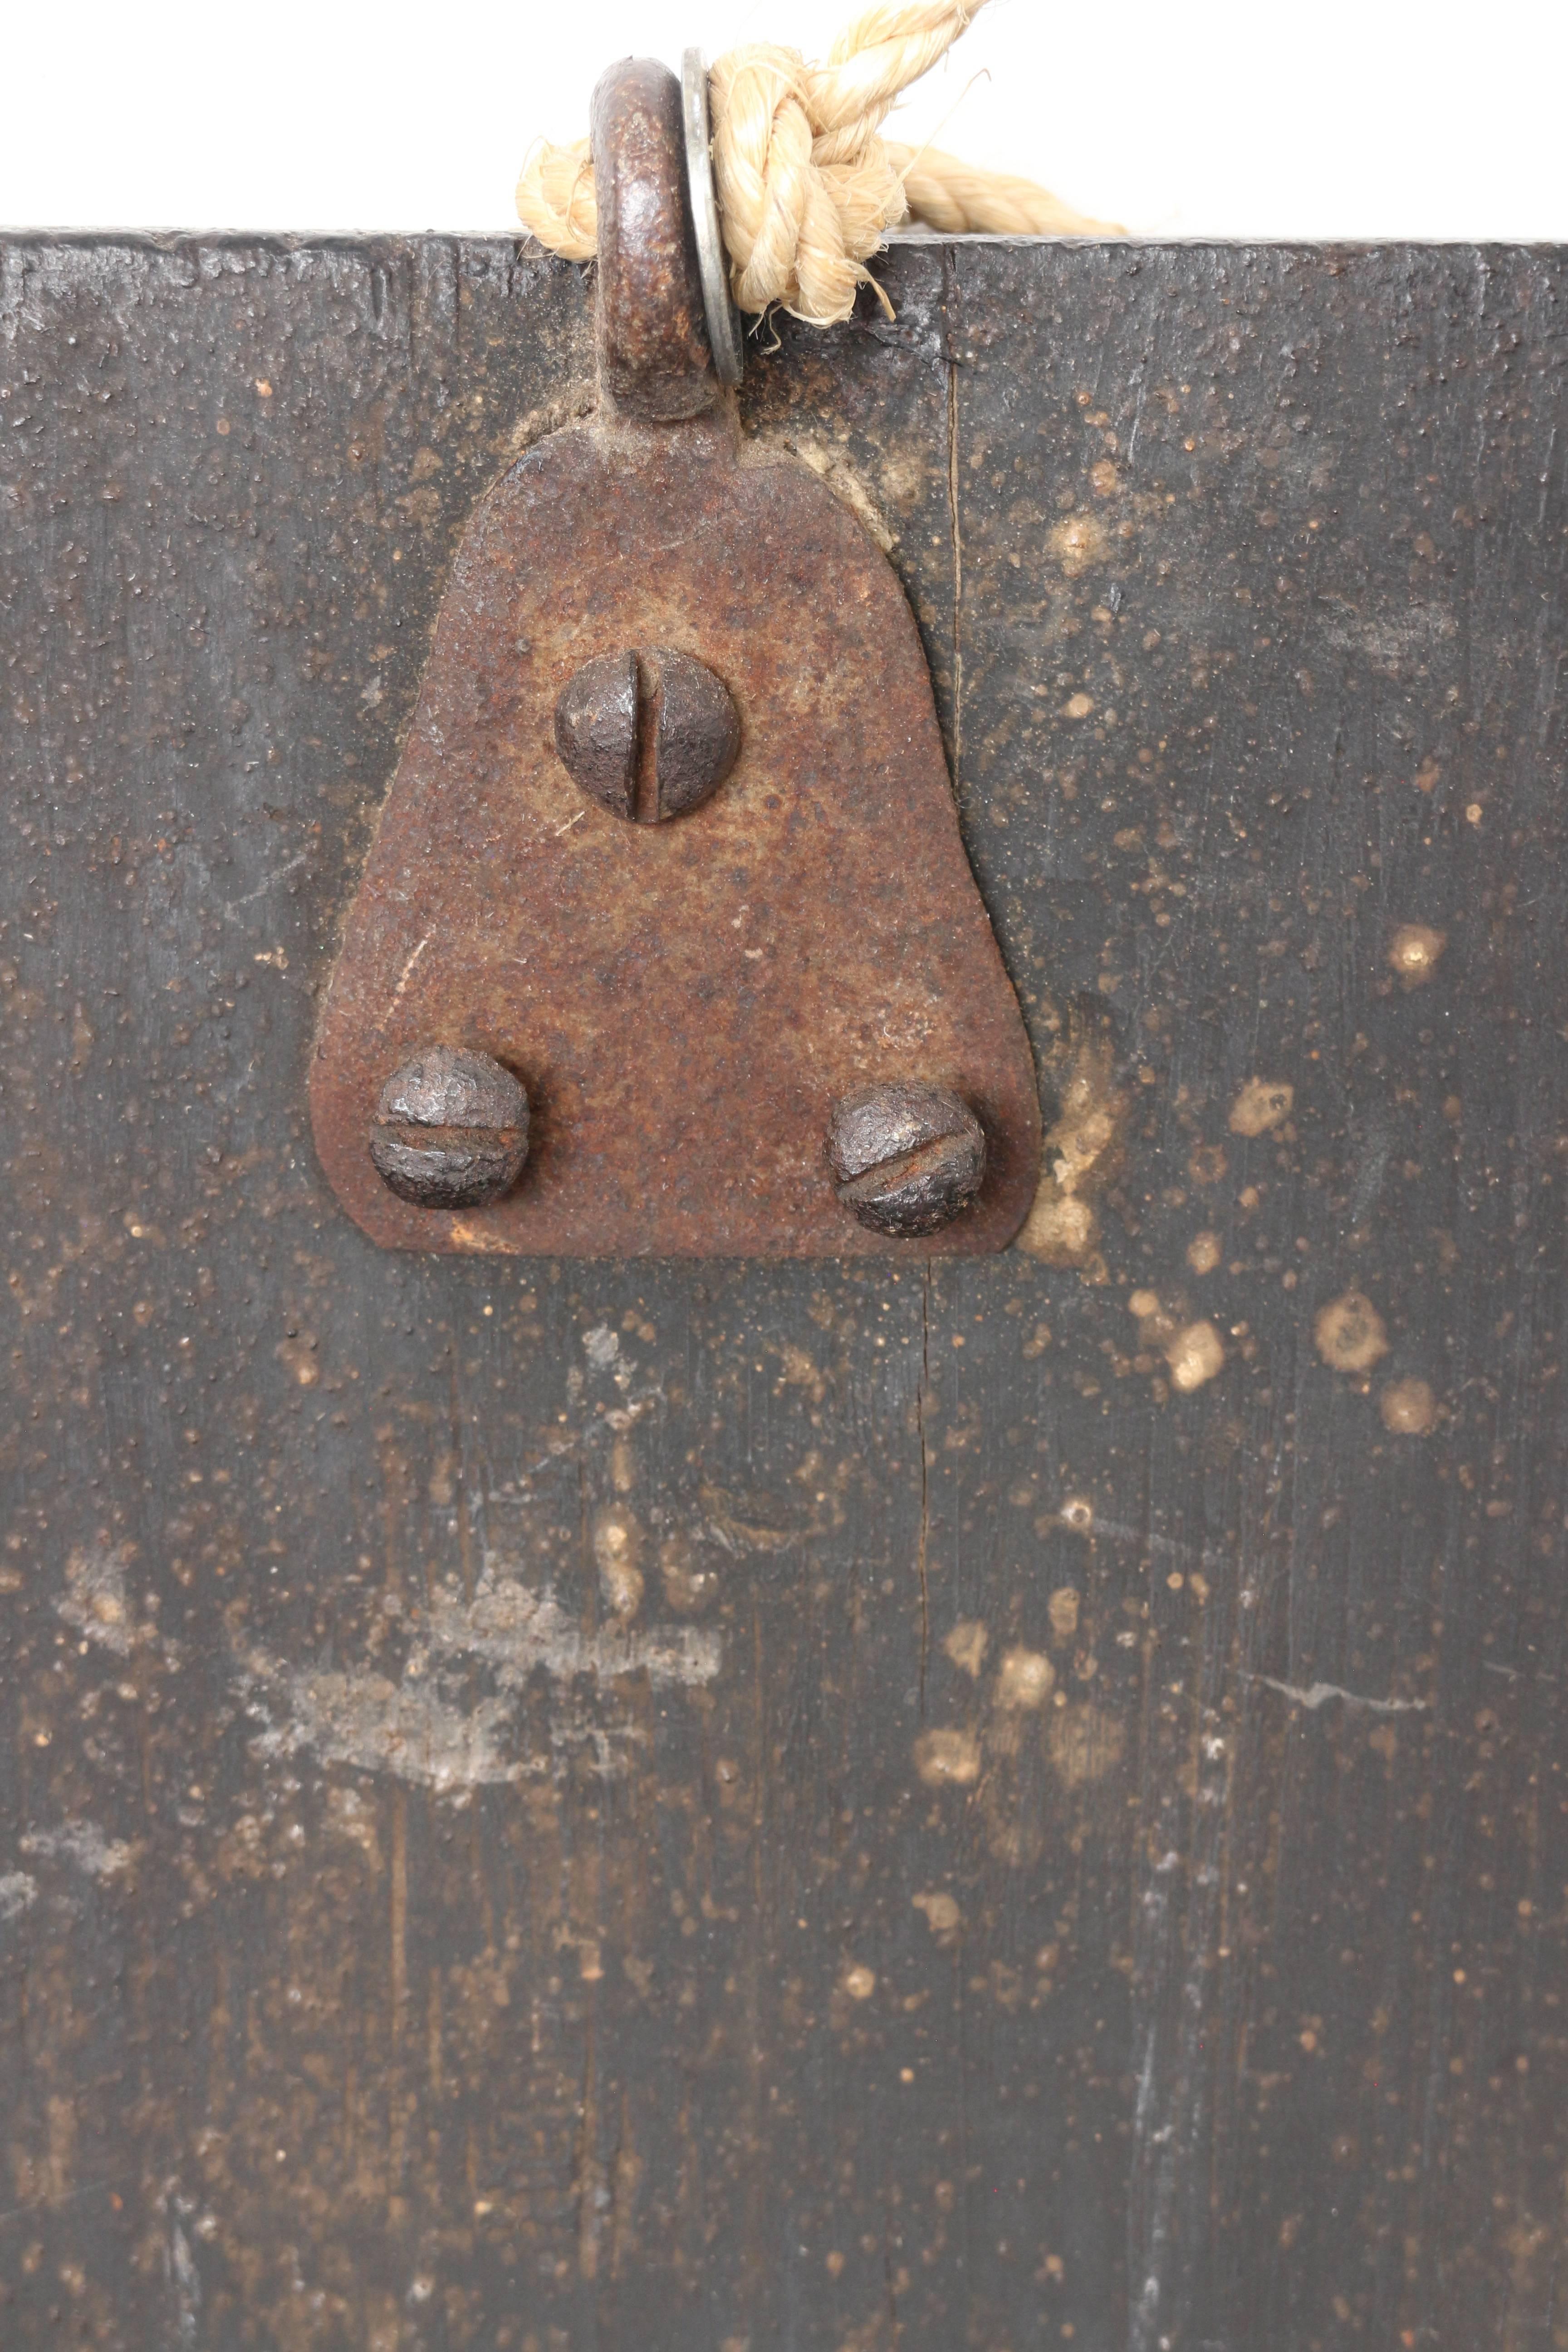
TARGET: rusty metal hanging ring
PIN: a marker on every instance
(654, 357)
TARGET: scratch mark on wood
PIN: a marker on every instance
(231, 911)
(1316, 1694)
(399, 1910)
(921, 1565)
(71, 2196)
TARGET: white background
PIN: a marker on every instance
(1231, 118)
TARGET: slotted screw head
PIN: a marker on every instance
(451, 1131)
(907, 1158)
(596, 730)
(697, 730)
(648, 734)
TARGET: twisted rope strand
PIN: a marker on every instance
(555, 198)
(806, 187)
(961, 200)
(873, 62)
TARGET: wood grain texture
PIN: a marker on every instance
(803, 1808)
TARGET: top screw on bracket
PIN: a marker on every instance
(648, 734)
(906, 1158)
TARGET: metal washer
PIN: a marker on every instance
(723, 319)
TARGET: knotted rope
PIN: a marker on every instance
(807, 186)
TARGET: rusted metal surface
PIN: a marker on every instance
(653, 338)
(450, 1131)
(907, 1158)
(582, 1807)
(648, 734)
(596, 730)
(685, 1004)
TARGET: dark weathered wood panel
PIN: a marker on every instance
(396, 1955)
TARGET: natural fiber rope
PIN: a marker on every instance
(806, 187)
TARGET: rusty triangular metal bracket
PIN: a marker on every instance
(689, 1003)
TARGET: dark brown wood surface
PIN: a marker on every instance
(591, 1808)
